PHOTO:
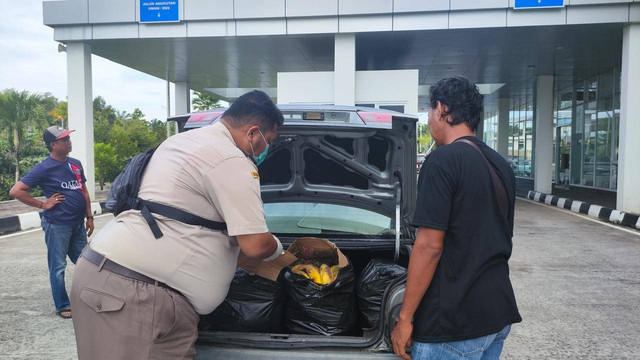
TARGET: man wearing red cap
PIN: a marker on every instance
(62, 180)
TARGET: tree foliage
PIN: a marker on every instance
(20, 112)
(107, 163)
(118, 135)
(424, 138)
(203, 102)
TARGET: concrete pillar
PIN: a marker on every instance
(628, 197)
(504, 106)
(183, 98)
(345, 70)
(544, 134)
(80, 100)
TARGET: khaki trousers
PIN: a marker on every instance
(115, 317)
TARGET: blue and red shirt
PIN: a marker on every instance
(66, 178)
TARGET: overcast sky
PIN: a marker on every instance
(29, 60)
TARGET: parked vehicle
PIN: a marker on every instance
(521, 167)
(345, 174)
(420, 160)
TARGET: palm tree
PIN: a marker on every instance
(17, 110)
(203, 102)
(122, 115)
(61, 113)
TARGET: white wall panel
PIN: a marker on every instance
(252, 9)
(261, 27)
(208, 9)
(322, 25)
(211, 28)
(311, 8)
(163, 30)
(597, 14)
(591, 2)
(421, 21)
(112, 11)
(365, 23)
(78, 32)
(344, 69)
(555, 16)
(355, 7)
(115, 31)
(477, 19)
(293, 87)
(65, 12)
(400, 86)
(475, 4)
(634, 14)
(414, 6)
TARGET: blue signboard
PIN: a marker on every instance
(533, 4)
(159, 11)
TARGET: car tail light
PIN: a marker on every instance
(204, 117)
(376, 118)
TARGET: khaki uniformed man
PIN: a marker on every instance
(138, 297)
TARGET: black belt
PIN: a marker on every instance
(97, 259)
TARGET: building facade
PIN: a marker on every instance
(561, 81)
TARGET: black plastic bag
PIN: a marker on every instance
(374, 279)
(254, 304)
(321, 309)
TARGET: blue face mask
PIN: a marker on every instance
(263, 155)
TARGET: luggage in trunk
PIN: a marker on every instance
(254, 304)
(320, 309)
(372, 284)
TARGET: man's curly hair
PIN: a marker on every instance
(462, 98)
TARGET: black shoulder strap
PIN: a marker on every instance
(498, 187)
(147, 207)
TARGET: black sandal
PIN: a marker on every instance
(60, 313)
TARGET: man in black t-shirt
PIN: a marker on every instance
(459, 302)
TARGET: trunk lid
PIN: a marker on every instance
(355, 165)
(351, 156)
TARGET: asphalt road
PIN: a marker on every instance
(577, 282)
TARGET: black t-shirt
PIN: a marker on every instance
(470, 295)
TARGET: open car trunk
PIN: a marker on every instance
(352, 165)
(358, 337)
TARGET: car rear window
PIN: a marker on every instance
(318, 218)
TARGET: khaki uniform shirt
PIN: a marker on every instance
(203, 172)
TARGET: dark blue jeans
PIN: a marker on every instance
(483, 348)
(62, 241)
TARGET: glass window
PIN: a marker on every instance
(577, 128)
(367, 105)
(589, 135)
(616, 128)
(586, 137)
(315, 218)
(566, 98)
(564, 165)
(397, 108)
(604, 131)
